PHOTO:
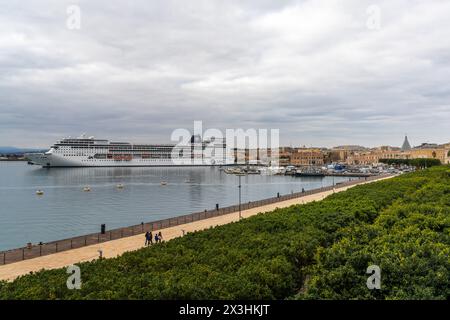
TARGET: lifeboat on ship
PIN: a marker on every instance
(122, 157)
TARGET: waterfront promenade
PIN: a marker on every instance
(117, 247)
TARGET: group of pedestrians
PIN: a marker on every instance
(149, 238)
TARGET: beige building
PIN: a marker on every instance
(440, 152)
(353, 155)
(337, 155)
(374, 156)
(307, 157)
(285, 154)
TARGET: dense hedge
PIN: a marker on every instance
(317, 250)
(418, 162)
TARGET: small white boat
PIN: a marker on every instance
(163, 183)
(39, 192)
(120, 186)
(86, 189)
(272, 170)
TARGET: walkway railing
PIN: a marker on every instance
(38, 250)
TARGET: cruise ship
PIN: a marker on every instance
(90, 152)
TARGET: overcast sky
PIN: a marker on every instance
(323, 72)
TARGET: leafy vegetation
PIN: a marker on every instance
(418, 162)
(313, 251)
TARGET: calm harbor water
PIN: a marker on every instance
(65, 210)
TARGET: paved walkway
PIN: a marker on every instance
(117, 247)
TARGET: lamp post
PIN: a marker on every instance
(240, 214)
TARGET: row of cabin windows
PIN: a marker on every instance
(152, 159)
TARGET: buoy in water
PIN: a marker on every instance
(39, 192)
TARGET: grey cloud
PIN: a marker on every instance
(310, 68)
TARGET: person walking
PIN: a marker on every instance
(156, 238)
(146, 238)
(150, 238)
(160, 237)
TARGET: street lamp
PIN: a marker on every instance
(240, 214)
(240, 188)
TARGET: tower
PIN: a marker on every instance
(406, 146)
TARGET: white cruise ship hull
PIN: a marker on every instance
(53, 160)
(90, 152)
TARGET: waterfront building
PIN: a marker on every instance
(425, 150)
(337, 155)
(374, 156)
(285, 154)
(430, 152)
(307, 157)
